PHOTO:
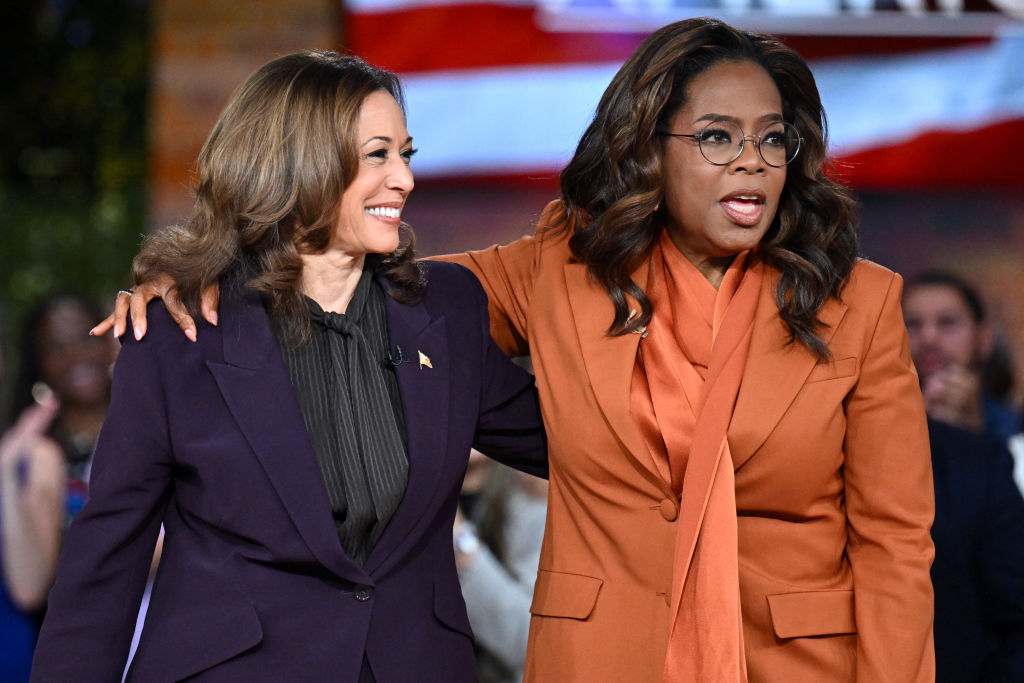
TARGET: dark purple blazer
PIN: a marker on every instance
(208, 439)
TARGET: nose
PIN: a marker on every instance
(400, 177)
(750, 159)
(926, 333)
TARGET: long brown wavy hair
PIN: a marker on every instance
(614, 183)
(270, 179)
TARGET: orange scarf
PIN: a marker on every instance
(692, 363)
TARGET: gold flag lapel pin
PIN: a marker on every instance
(424, 360)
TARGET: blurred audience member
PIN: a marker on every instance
(61, 396)
(31, 477)
(57, 353)
(978, 572)
(951, 342)
(497, 535)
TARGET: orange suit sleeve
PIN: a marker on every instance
(890, 506)
(508, 274)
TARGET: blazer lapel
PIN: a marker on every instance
(774, 372)
(423, 382)
(257, 389)
(609, 361)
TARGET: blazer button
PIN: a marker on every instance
(362, 593)
(669, 509)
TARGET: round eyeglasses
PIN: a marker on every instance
(721, 142)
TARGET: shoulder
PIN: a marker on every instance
(554, 227)
(867, 279)
(446, 279)
(872, 292)
(166, 341)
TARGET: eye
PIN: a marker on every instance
(715, 136)
(408, 154)
(381, 153)
(950, 322)
(775, 138)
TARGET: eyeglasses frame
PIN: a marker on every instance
(743, 142)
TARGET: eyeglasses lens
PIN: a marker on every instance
(721, 142)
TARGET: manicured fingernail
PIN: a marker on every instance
(92, 332)
(213, 317)
(191, 334)
(138, 333)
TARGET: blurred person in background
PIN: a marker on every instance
(58, 355)
(978, 531)
(62, 392)
(978, 572)
(952, 342)
(31, 479)
(497, 537)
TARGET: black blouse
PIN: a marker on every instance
(353, 413)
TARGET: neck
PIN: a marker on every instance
(712, 269)
(330, 278)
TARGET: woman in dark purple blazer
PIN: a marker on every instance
(304, 455)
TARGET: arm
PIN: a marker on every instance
(31, 496)
(890, 506)
(1000, 567)
(107, 553)
(507, 274)
(509, 426)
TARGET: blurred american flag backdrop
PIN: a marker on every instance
(918, 95)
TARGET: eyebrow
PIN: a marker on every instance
(712, 117)
(384, 138)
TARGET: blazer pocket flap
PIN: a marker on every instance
(450, 608)
(558, 594)
(204, 637)
(814, 613)
(833, 369)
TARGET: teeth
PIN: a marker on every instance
(743, 207)
(385, 212)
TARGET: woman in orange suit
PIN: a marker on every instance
(740, 476)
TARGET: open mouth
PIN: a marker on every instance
(744, 207)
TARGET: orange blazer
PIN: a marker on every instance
(833, 484)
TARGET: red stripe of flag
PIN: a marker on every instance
(474, 36)
(988, 157)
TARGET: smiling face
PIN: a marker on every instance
(371, 206)
(714, 212)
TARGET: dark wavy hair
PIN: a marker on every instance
(613, 185)
(270, 179)
(935, 277)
